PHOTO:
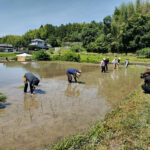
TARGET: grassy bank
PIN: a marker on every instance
(127, 127)
(9, 55)
(96, 58)
(63, 55)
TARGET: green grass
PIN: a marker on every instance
(21, 87)
(10, 55)
(91, 57)
(96, 58)
(127, 127)
(2, 97)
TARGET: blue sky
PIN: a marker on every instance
(19, 16)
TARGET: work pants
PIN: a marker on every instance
(146, 88)
(103, 68)
(31, 87)
(70, 77)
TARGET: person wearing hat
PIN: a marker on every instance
(33, 81)
(115, 62)
(73, 72)
(102, 64)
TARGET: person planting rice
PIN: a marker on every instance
(127, 63)
(106, 63)
(102, 64)
(73, 72)
(146, 85)
(115, 62)
(33, 81)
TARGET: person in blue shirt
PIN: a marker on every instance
(73, 72)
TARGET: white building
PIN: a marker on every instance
(6, 48)
(39, 44)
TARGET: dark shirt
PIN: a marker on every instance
(106, 61)
(72, 71)
(32, 79)
(147, 80)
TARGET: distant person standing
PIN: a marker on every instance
(7, 59)
(102, 64)
(73, 72)
(115, 63)
(119, 59)
(106, 63)
(33, 81)
(127, 63)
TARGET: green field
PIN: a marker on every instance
(10, 55)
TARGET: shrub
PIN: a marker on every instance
(71, 57)
(2, 98)
(144, 52)
(41, 55)
(56, 57)
(77, 48)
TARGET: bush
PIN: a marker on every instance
(71, 57)
(144, 52)
(2, 98)
(41, 55)
(77, 48)
(56, 57)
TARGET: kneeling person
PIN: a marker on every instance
(73, 72)
(33, 81)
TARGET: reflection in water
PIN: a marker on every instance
(72, 90)
(50, 69)
(29, 102)
(2, 111)
(118, 84)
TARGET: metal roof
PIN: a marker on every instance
(37, 40)
(6, 45)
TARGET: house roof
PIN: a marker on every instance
(37, 40)
(6, 45)
(24, 55)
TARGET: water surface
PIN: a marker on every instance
(58, 109)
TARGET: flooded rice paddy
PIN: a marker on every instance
(58, 109)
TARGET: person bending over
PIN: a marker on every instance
(33, 81)
(73, 72)
(146, 85)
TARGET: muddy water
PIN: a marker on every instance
(58, 109)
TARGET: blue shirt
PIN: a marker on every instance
(72, 71)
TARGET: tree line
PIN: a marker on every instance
(126, 30)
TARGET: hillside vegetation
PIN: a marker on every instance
(126, 30)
